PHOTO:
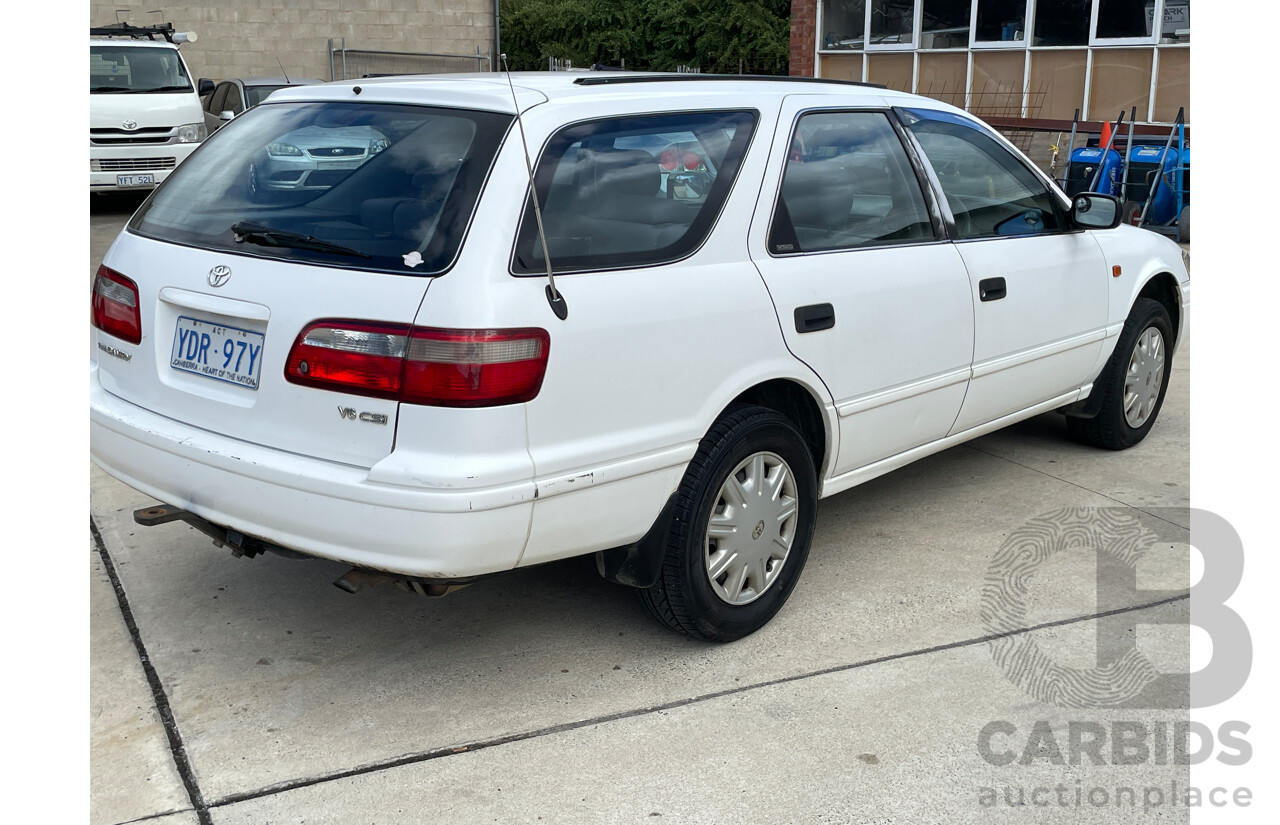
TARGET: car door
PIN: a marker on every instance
(1039, 286)
(869, 291)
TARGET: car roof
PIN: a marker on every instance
(493, 90)
(276, 81)
(130, 42)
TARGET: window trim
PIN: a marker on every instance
(526, 213)
(922, 173)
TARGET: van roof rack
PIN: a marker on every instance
(135, 32)
(612, 79)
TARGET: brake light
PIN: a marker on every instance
(115, 305)
(434, 367)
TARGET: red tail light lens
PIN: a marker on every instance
(115, 305)
(435, 367)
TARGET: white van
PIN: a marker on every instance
(144, 112)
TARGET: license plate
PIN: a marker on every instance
(135, 180)
(217, 351)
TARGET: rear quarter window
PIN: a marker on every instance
(631, 191)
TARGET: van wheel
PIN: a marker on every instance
(1133, 382)
(740, 530)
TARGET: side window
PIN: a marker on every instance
(234, 101)
(217, 103)
(991, 193)
(848, 184)
(631, 191)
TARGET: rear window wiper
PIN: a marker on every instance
(256, 233)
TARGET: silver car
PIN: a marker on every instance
(313, 158)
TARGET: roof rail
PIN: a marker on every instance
(611, 79)
(134, 32)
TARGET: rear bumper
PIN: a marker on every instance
(320, 508)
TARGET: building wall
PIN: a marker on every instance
(252, 38)
(1039, 82)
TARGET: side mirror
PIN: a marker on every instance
(1091, 210)
(226, 115)
(204, 86)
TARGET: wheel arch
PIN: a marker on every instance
(797, 402)
(1163, 288)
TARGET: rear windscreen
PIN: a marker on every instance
(369, 186)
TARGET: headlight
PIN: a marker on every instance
(192, 133)
(279, 149)
(377, 146)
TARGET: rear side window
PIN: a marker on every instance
(990, 192)
(373, 186)
(632, 191)
(848, 184)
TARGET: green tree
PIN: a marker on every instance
(722, 36)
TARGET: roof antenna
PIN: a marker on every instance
(282, 71)
(554, 298)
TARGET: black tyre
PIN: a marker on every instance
(741, 528)
(1133, 383)
(1131, 213)
(1184, 224)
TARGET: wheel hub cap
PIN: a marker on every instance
(1145, 377)
(751, 529)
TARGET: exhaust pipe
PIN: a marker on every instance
(355, 580)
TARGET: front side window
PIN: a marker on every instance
(631, 191)
(136, 70)
(848, 184)
(990, 192)
(373, 186)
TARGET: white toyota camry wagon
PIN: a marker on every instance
(654, 318)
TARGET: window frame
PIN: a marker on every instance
(1157, 25)
(921, 173)
(527, 223)
(1062, 205)
(1028, 25)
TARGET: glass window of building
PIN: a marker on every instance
(844, 24)
(1000, 21)
(1062, 22)
(945, 24)
(893, 22)
(1124, 18)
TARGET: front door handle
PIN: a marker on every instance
(991, 289)
(815, 317)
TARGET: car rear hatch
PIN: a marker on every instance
(227, 273)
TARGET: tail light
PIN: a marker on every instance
(115, 305)
(435, 367)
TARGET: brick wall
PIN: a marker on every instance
(804, 17)
(246, 38)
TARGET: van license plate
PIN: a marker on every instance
(135, 180)
(217, 351)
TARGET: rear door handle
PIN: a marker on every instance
(991, 289)
(815, 317)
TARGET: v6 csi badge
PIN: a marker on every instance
(219, 275)
(368, 417)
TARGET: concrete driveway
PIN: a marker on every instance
(252, 691)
